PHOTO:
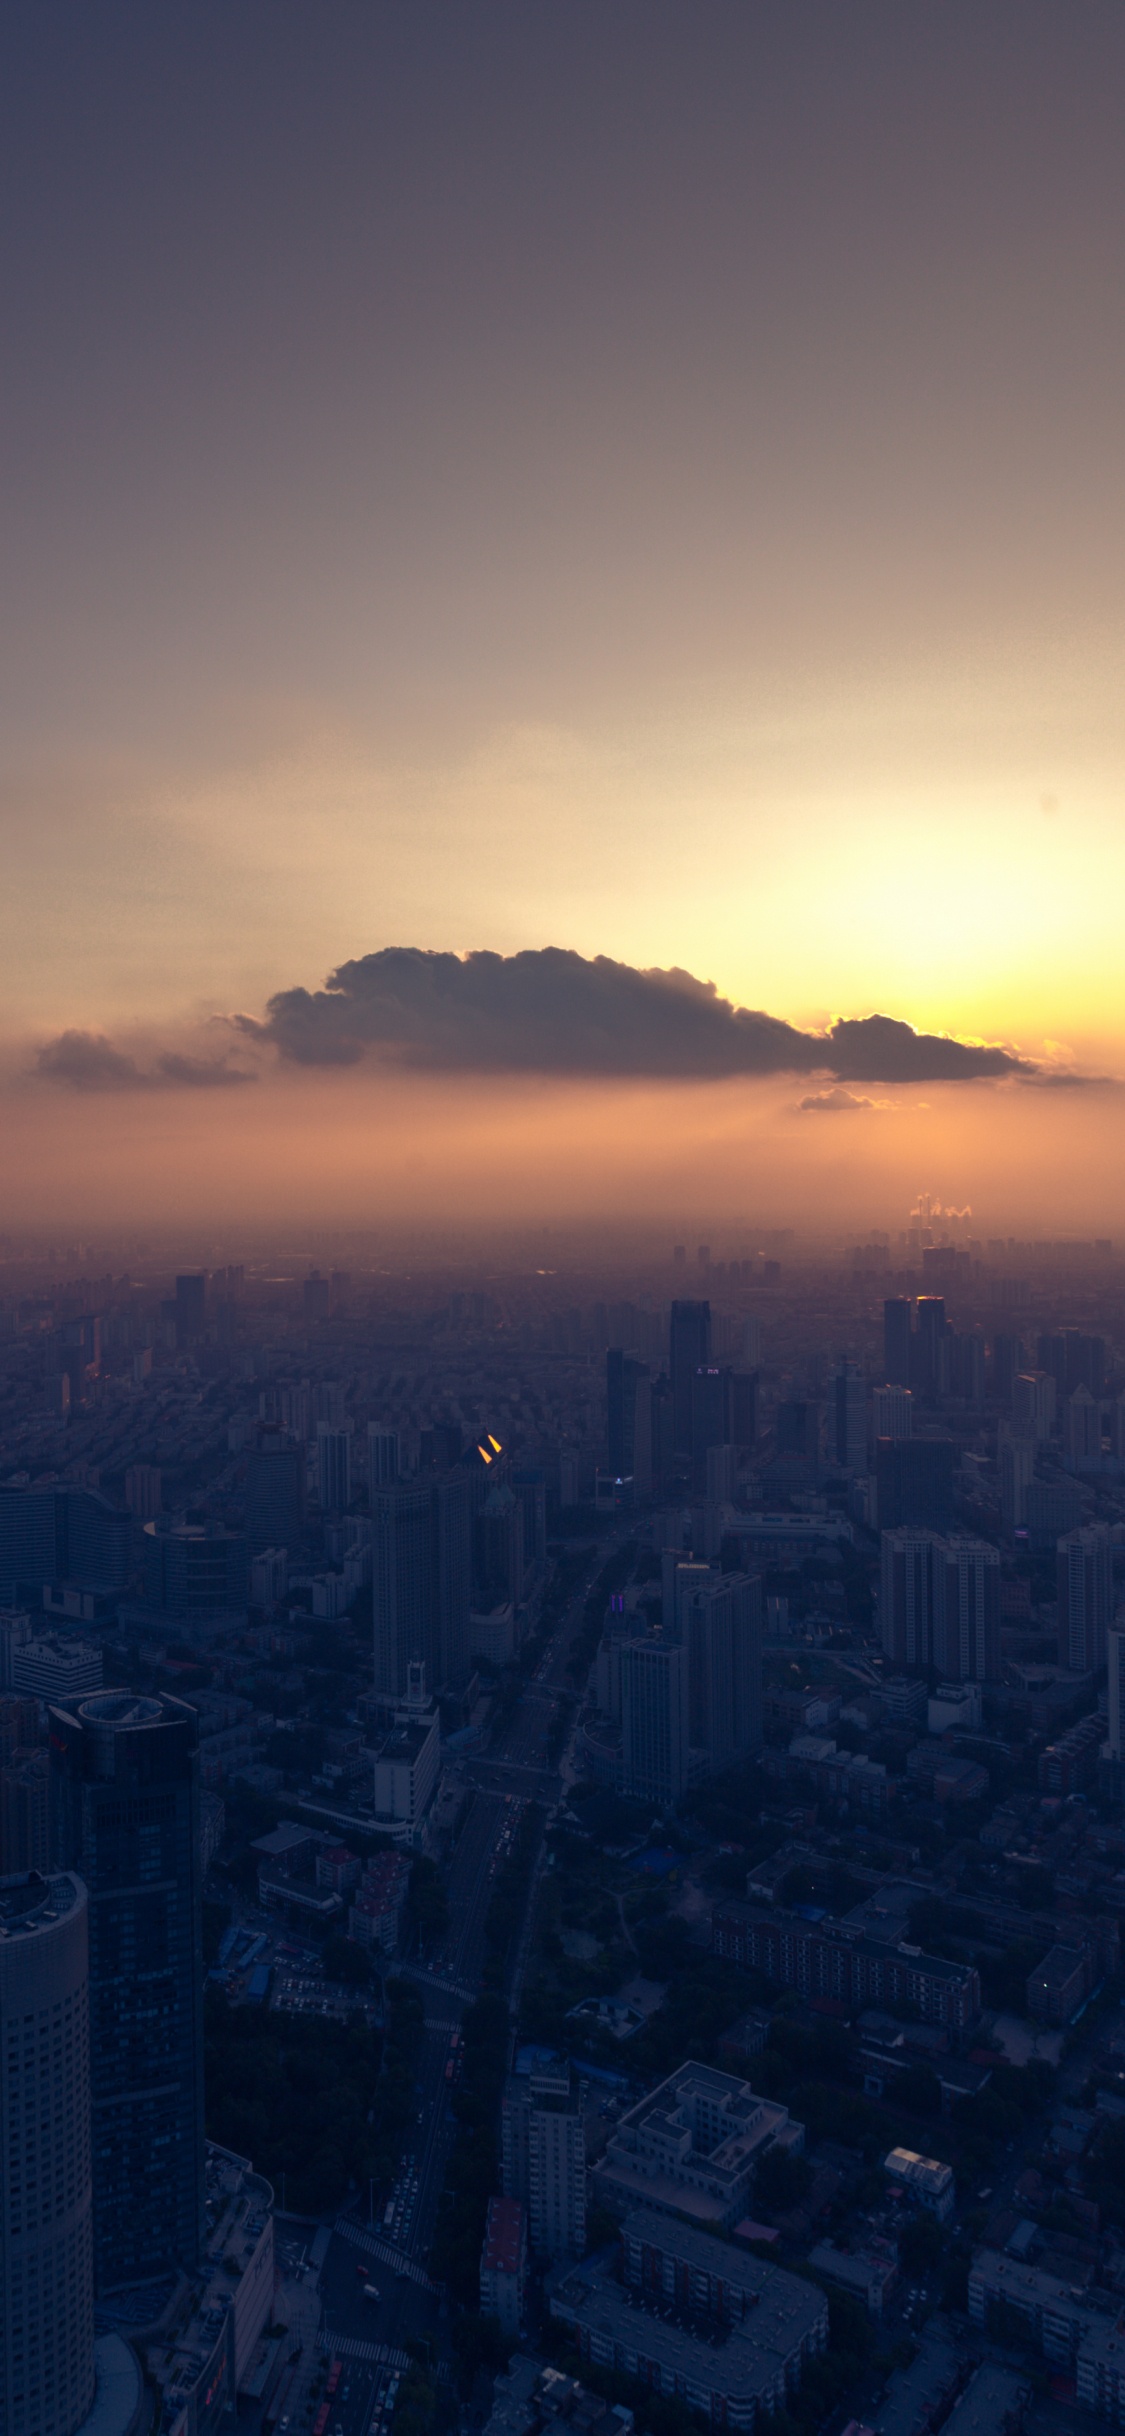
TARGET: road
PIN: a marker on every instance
(447, 1977)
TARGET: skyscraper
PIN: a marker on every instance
(967, 1610)
(333, 1468)
(275, 1491)
(914, 1483)
(383, 1456)
(191, 1310)
(623, 1377)
(1115, 1653)
(1085, 1587)
(46, 2281)
(847, 1423)
(654, 1720)
(689, 1351)
(906, 1600)
(928, 1348)
(126, 1784)
(897, 1324)
(403, 1585)
(892, 1412)
(722, 1629)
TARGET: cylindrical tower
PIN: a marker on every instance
(46, 2266)
(126, 1770)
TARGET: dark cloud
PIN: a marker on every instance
(550, 1011)
(87, 1061)
(837, 1102)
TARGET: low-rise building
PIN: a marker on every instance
(729, 2374)
(1099, 2370)
(866, 2274)
(926, 2178)
(503, 2263)
(691, 2145)
(1058, 2316)
(832, 1958)
(1059, 1984)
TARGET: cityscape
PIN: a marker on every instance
(562, 1218)
(562, 1836)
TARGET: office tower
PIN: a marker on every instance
(144, 1491)
(333, 1468)
(454, 1497)
(689, 1351)
(965, 1365)
(722, 1631)
(929, 1346)
(906, 1600)
(624, 1378)
(797, 1431)
(720, 1475)
(46, 2279)
(530, 1486)
(662, 1433)
(678, 1576)
(1034, 1397)
(275, 1491)
(1007, 1362)
(897, 1326)
(196, 1571)
(499, 1567)
(1082, 1432)
(654, 1720)
(61, 1535)
(1073, 1360)
(751, 1348)
(269, 1577)
(126, 1797)
(329, 1405)
(914, 1483)
(383, 1461)
(19, 1714)
(1115, 1653)
(847, 1417)
(191, 1310)
(403, 1584)
(1085, 1586)
(316, 1296)
(544, 2157)
(892, 1412)
(1015, 1456)
(25, 1813)
(712, 1414)
(967, 1611)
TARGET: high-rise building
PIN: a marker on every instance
(906, 1600)
(1082, 1431)
(383, 1457)
(1015, 1456)
(25, 1813)
(544, 2158)
(928, 1349)
(654, 1720)
(898, 1320)
(196, 1570)
(333, 1468)
(275, 1491)
(144, 1491)
(191, 1310)
(914, 1483)
(1115, 1653)
(967, 1610)
(689, 1351)
(46, 2280)
(847, 1417)
(61, 1535)
(624, 1378)
(1007, 1362)
(892, 1412)
(404, 1586)
(1034, 1399)
(722, 1630)
(126, 1790)
(1085, 1588)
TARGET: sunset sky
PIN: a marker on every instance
(640, 480)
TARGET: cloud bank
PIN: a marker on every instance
(87, 1061)
(551, 1011)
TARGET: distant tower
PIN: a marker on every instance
(689, 1351)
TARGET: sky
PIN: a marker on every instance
(644, 482)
